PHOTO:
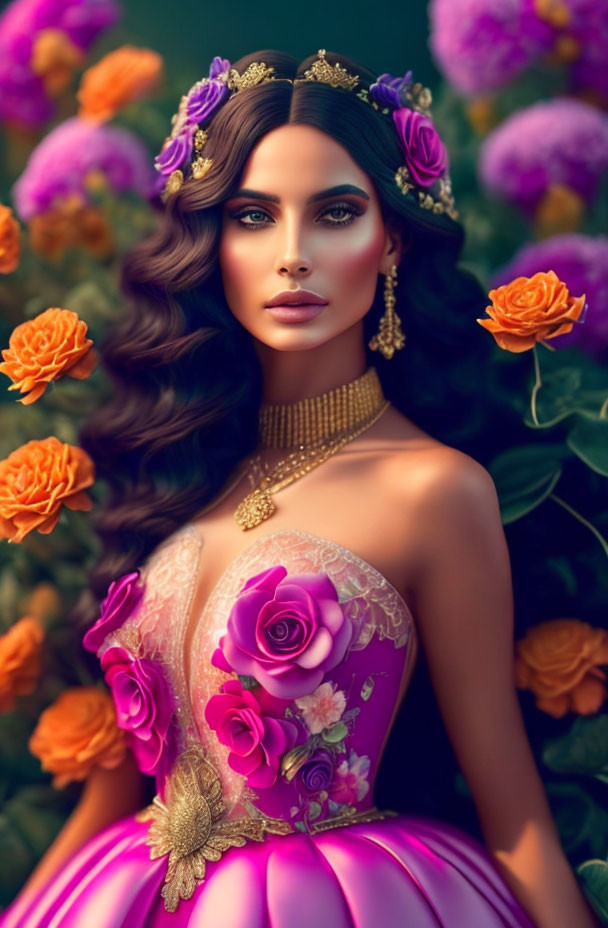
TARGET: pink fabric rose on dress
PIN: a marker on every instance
(145, 708)
(249, 722)
(286, 632)
(426, 156)
(122, 597)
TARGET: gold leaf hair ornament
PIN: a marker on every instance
(424, 173)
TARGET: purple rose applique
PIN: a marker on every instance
(286, 632)
(317, 773)
(122, 597)
(425, 154)
(389, 90)
(249, 723)
(145, 708)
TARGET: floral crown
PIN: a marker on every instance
(425, 168)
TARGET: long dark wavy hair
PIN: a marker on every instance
(187, 381)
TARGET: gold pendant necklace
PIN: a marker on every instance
(319, 427)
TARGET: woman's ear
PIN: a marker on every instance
(397, 242)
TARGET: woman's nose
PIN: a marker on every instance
(291, 257)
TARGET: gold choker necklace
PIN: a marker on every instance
(318, 427)
(317, 418)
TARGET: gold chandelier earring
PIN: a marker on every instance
(390, 338)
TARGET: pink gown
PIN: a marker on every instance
(264, 816)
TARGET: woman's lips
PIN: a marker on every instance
(297, 312)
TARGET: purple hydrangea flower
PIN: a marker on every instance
(582, 263)
(480, 45)
(589, 27)
(559, 141)
(59, 165)
(23, 99)
(390, 91)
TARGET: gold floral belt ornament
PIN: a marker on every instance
(191, 828)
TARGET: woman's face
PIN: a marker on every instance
(305, 217)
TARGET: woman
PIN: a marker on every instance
(257, 668)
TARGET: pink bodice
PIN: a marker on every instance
(319, 751)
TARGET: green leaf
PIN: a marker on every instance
(336, 733)
(367, 688)
(565, 392)
(589, 441)
(594, 879)
(314, 810)
(525, 475)
(582, 749)
(248, 683)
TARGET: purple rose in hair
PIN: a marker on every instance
(249, 722)
(425, 154)
(145, 708)
(175, 151)
(122, 597)
(286, 632)
(205, 97)
(317, 773)
(389, 90)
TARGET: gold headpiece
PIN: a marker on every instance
(386, 95)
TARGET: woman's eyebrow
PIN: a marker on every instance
(339, 190)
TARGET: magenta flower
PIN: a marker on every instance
(285, 631)
(426, 156)
(559, 141)
(122, 597)
(23, 98)
(249, 723)
(350, 783)
(582, 263)
(145, 708)
(481, 45)
(60, 164)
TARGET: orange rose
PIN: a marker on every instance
(54, 59)
(46, 348)
(78, 732)
(9, 241)
(558, 661)
(529, 309)
(36, 480)
(122, 76)
(20, 661)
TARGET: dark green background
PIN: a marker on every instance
(384, 36)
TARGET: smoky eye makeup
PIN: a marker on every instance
(347, 209)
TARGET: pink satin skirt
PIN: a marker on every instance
(403, 872)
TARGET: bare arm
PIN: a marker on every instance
(464, 606)
(107, 796)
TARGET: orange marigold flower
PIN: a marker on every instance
(76, 733)
(36, 480)
(558, 661)
(10, 249)
(530, 309)
(43, 349)
(20, 661)
(55, 58)
(122, 76)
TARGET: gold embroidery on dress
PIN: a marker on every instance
(351, 818)
(189, 825)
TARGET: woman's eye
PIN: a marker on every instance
(251, 212)
(345, 210)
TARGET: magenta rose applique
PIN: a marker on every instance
(123, 595)
(426, 156)
(145, 708)
(249, 722)
(286, 632)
